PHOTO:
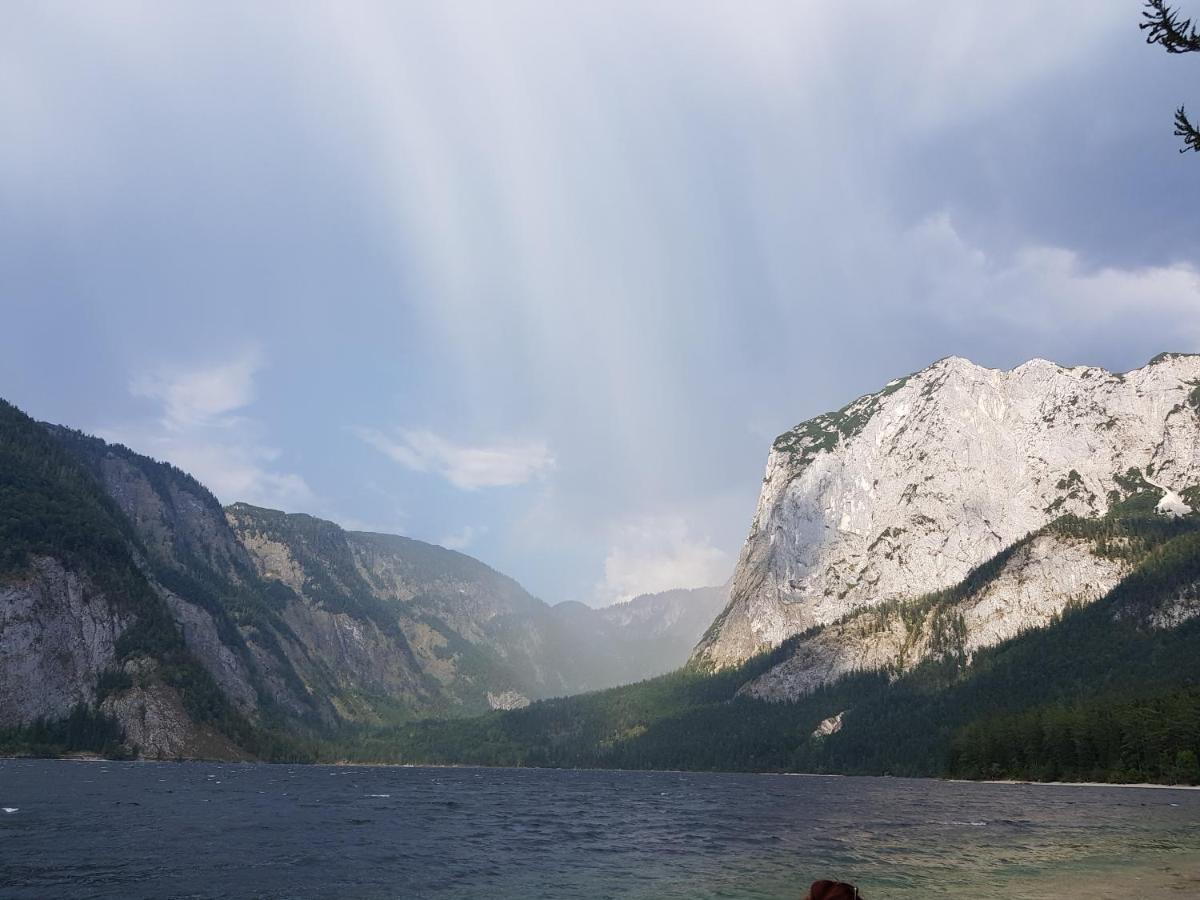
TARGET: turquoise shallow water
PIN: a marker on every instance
(91, 829)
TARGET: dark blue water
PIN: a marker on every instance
(91, 829)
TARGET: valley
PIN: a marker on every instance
(972, 573)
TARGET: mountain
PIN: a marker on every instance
(1107, 691)
(661, 626)
(85, 632)
(903, 492)
(404, 622)
(482, 639)
(136, 607)
(646, 636)
(970, 572)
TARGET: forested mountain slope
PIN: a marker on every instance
(1108, 690)
(134, 605)
(83, 628)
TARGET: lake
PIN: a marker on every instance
(199, 830)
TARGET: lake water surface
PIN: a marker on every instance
(195, 830)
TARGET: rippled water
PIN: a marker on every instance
(91, 829)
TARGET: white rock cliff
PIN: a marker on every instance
(904, 491)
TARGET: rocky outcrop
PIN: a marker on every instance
(59, 642)
(507, 700)
(156, 725)
(58, 634)
(829, 726)
(228, 668)
(1041, 578)
(904, 491)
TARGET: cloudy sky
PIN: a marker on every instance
(540, 281)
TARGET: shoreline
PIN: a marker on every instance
(389, 765)
(1111, 784)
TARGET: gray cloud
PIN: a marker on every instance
(646, 235)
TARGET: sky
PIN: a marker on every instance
(540, 281)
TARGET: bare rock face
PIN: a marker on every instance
(174, 515)
(507, 700)
(348, 660)
(194, 562)
(904, 491)
(1039, 580)
(58, 633)
(227, 668)
(157, 726)
(829, 726)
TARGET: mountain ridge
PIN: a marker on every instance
(257, 631)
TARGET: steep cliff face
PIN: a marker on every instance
(905, 491)
(1029, 586)
(394, 619)
(230, 619)
(86, 633)
(58, 635)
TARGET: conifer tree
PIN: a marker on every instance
(1164, 25)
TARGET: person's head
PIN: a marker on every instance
(832, 890)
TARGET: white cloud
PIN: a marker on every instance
(462, 538)
(658, 553)
(203, 396)
(199, 428)
(498, 465)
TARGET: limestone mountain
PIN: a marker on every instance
(870, 518)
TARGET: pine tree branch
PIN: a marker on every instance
(1187, 131)
(1164, 26)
